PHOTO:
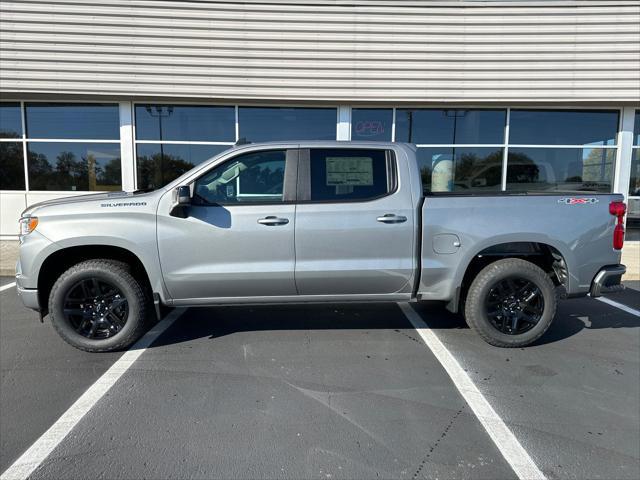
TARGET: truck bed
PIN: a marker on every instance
(456, 229)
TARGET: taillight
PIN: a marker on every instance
(618, 209)
(618, 236)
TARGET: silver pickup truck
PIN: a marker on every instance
(314, 222)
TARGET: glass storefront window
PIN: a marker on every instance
(196, 123)
(159, 164)
(563, 127)
(11, 166)
(263, 124)
(72, 121)
(443, 127)
(10, 120)
(371, 124)
(74, 166)
(462, 169)
(636, 129)
(560, 169)
(634, 181)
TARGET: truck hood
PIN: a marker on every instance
(81, 199)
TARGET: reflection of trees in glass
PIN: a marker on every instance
(111, 174)
(561, 169)
(71, 173)
(597, 167)
(634, 181)
(40, 172)
(11, 166)
(261, 178)
(9, 134)
(158, 169)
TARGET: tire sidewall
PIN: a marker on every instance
(56, 307)
(497, 272)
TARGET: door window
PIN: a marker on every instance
(256, 177)
(339, 174)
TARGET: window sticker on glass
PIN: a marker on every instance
(349, 171)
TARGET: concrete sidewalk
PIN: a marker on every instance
(8, 257)
(630, 257)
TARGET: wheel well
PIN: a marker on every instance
(544, 256)
(60, 261)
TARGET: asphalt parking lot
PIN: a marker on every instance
(341, 391)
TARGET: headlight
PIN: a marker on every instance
(28, 225)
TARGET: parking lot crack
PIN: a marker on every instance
(418, 473)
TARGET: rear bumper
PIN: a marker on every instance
(608, 280)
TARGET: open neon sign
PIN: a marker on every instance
(369, 128)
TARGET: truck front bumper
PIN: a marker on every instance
(608, 280)
(29, 297)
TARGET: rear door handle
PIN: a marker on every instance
(392, 218)
(273, 220)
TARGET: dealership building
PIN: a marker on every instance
(513, 96)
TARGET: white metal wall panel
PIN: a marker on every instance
(331, 51)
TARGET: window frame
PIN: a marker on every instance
(26, 140)
(68, 103)
(304, 176)
(137, 142)
(505, 139)
(635, 150)
(81, 142)
(289, 185)
(505, 145)
(283, 106)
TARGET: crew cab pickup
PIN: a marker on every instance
(314, 222)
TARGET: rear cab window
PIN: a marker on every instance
(347, 174)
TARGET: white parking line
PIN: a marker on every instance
(7, 286)
(509, 446)
(630, 310)
(24, 466)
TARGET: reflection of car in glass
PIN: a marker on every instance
(525, 173)
(314, 222)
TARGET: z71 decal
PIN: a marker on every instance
(578, 200)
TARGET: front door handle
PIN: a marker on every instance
(273, 220)
(392, 218)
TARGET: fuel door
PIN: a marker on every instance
(446, 243)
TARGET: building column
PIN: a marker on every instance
(126, 147)
(622, 172)
(344, 123)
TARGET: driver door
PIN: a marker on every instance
(237, 239)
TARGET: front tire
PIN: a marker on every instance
(98, 306)
(511, 303)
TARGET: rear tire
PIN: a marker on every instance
(511, 303)
(98, 306)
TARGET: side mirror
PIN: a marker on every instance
(183, 196)
(181, 200)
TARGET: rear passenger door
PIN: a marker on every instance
(355, 227)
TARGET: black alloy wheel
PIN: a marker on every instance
(514, 305)
(96, 308)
